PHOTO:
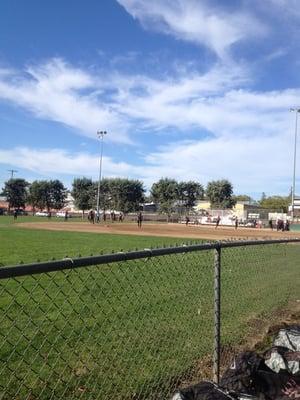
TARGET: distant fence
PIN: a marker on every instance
(136, 325)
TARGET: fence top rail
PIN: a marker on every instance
(72, 263)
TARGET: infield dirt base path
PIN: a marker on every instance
(169, 230)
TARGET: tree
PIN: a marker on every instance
(111, 197)
(165, 193)
(47, 194)
(118, 194)
(105, 200)
(125, 194)
(37, 197)
(131, 195)
(189, 192)
(242, 197)
(278, 203)
(220, 194)
(82, 193)
(57, 194)
(16, 192)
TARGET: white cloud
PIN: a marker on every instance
(126, 104)
(210, 103)
(57, 161)
(251, 165)
(250, 132)
(119, 103)
(59, 92)
(196, 21)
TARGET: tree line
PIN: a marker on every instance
(39, 194)
(171, 195)
(117, 194)
(121, 194)
(127, 195)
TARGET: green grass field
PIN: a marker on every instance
(9, 219)
(131, 330)
(19, 245)
(24, 245)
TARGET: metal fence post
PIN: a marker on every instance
(217, 314)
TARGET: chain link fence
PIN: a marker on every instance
(257, 284)
(135, 325)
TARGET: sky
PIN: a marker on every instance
(186, 89)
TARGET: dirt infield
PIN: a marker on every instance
(169, 230)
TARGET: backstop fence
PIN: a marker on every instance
(137, 325)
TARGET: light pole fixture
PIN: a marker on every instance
(296, 111)
(100, 135)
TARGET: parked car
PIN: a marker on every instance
(251, 223)
(41, 214)
(62, 214)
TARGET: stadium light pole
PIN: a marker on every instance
(296, 111)
(100, 135)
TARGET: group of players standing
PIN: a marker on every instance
(95, 217)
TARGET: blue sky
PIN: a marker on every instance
(187, 89)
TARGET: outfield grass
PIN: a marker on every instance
(24, 245)
(130, 330)
(9, 219)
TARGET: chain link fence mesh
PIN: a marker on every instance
(257, 284)
(135, 329)
(126, 330)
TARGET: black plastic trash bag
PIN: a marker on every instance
(203, 391)
(240, 376)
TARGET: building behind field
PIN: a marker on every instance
(3, 205)
(243, 210)
(296, 207)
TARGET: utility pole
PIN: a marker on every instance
(296, 111)
(12, 171)
(100, 135)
